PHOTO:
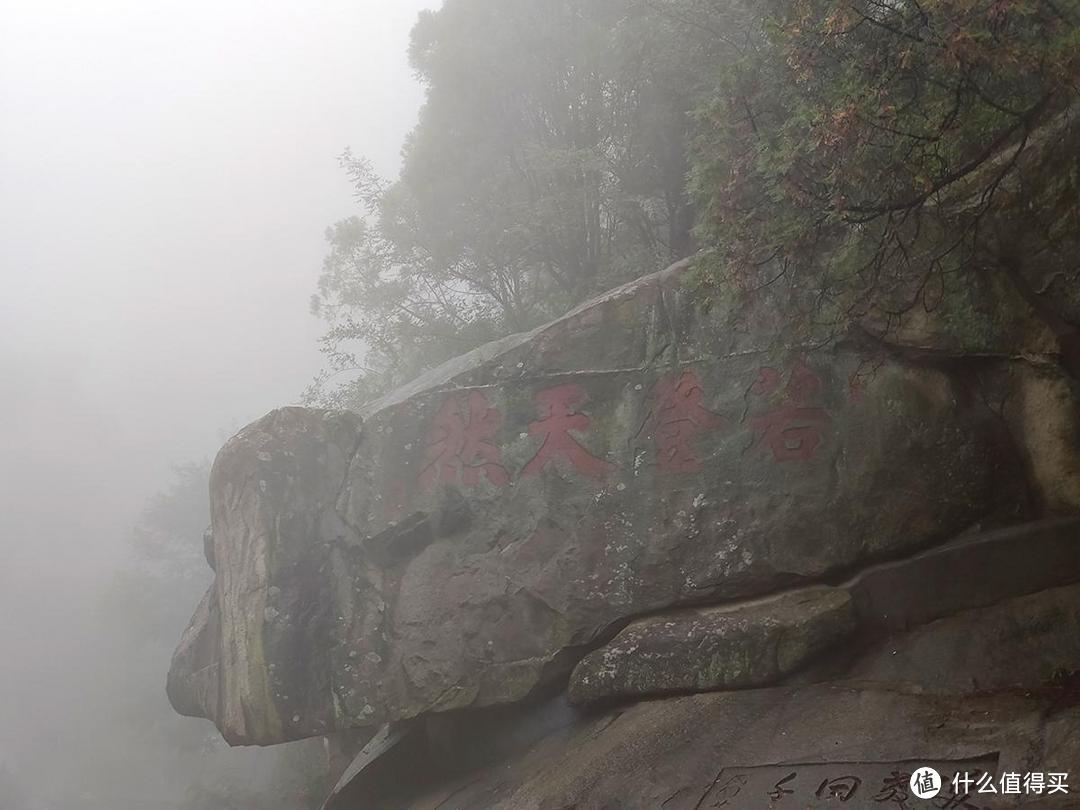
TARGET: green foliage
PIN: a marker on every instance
(548, 164)
(859, 158)
(868, 153)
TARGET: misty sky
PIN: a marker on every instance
(167, 170)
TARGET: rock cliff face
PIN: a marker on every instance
(652, 495)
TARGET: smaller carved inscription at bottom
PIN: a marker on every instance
(847, 785)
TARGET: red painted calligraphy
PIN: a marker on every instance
(460, 446)
(558, 413)
(768, 382)
(678, 417)
(795, 430)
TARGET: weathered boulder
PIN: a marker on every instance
(492, 521)
(748, 644)
(269, 611)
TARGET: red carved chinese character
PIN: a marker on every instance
(459, 447)
(678, 417)
(793, 432)
(558, 416)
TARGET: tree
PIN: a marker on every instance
(876, 157)
(548, 164)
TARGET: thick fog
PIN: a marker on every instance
(167, 170)
(860, 363)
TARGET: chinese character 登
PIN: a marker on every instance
(678, 416)
(558, 416)
(459, 445)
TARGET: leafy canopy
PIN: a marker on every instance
(867, 159)
(548, 164)
(873, 154)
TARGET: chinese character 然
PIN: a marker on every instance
(1058, 783)
(459, 445)
(892, 789)
(678, 416)
(779, 791)
(842, 788)
(795, 430)
(558, 416)
(1010, 782)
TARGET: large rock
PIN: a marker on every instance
(815, 746)
(701, 649)
(269, 611)
(488, 524)
(994, 689)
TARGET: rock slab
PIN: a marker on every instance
(817, 746)
(704, 649)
